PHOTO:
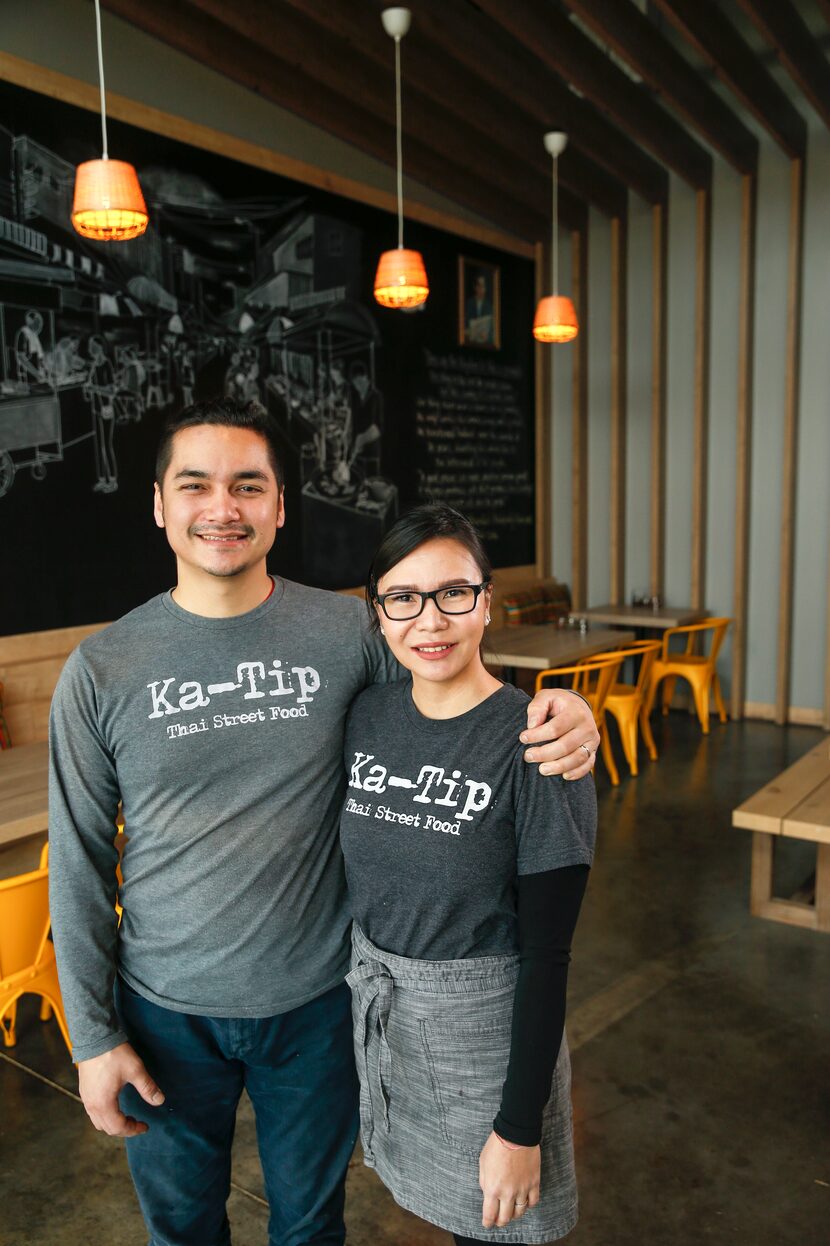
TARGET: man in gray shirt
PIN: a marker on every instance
(214, 714)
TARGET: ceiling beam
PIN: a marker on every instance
(348, 73)
(637, 41)
(552, 37)
(213, 44)
(706, 27)
(430, 73)
(508, 69)
(786, 31)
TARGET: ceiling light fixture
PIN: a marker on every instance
(401, 278)
(108, 204)
(555, 319)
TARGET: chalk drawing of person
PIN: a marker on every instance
(28, 349)
(99, 391)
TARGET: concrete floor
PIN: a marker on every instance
(700, 1040)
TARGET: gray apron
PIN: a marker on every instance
(432, 1043)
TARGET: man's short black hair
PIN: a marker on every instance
(222, 413)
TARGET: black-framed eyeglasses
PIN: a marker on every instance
(409, 603)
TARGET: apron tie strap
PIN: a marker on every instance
(372, 983)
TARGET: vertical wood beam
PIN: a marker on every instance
(743, 476)
(826, 663)
(544, 434)
(700, 471)
(619, 413)
(579, 439)
(826, 722)
(659, 337)
(789, 466)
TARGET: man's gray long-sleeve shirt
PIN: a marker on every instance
(223, 739)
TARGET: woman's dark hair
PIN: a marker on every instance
(223, 413)
(432, 522)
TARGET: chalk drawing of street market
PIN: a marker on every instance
(254, 298)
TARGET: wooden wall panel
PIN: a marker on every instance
(41, 646)
(619, 411)
(579, 442)
(30, 664)
(746, 363)
(789, 461)
(659, 346)
(700, 469)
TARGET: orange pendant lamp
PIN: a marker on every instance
(555, 319)
(108, 204)
(401, 278)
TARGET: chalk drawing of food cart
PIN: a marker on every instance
(30, 436)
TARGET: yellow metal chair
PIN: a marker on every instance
(120, 844)
(626, 702)
(697, 668)
(27, 958)
(594, 678)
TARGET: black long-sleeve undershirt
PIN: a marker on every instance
(548, 906)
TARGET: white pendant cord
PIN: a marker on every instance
(101, 78)
(399, 144)
(554, 240)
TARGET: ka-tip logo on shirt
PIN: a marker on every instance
(299, 682)
(433, 786)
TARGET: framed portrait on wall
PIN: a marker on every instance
(479, 303)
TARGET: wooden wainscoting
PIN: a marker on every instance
(30, 664)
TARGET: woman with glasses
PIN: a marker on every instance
(466, 870)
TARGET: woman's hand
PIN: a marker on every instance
(509, 1180)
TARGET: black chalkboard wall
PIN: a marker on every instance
(253, 285)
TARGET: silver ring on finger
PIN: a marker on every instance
(589, 751)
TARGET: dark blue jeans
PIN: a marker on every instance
(298, 1069)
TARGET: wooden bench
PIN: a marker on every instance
(794, 805)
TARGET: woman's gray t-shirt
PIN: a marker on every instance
(442, 815)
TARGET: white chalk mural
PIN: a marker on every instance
(256, 298)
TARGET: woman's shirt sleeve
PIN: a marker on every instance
(555, 827)
(555, 820)
(548, 908)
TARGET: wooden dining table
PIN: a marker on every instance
(536, 647)
(644, 618)
(24, 798)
